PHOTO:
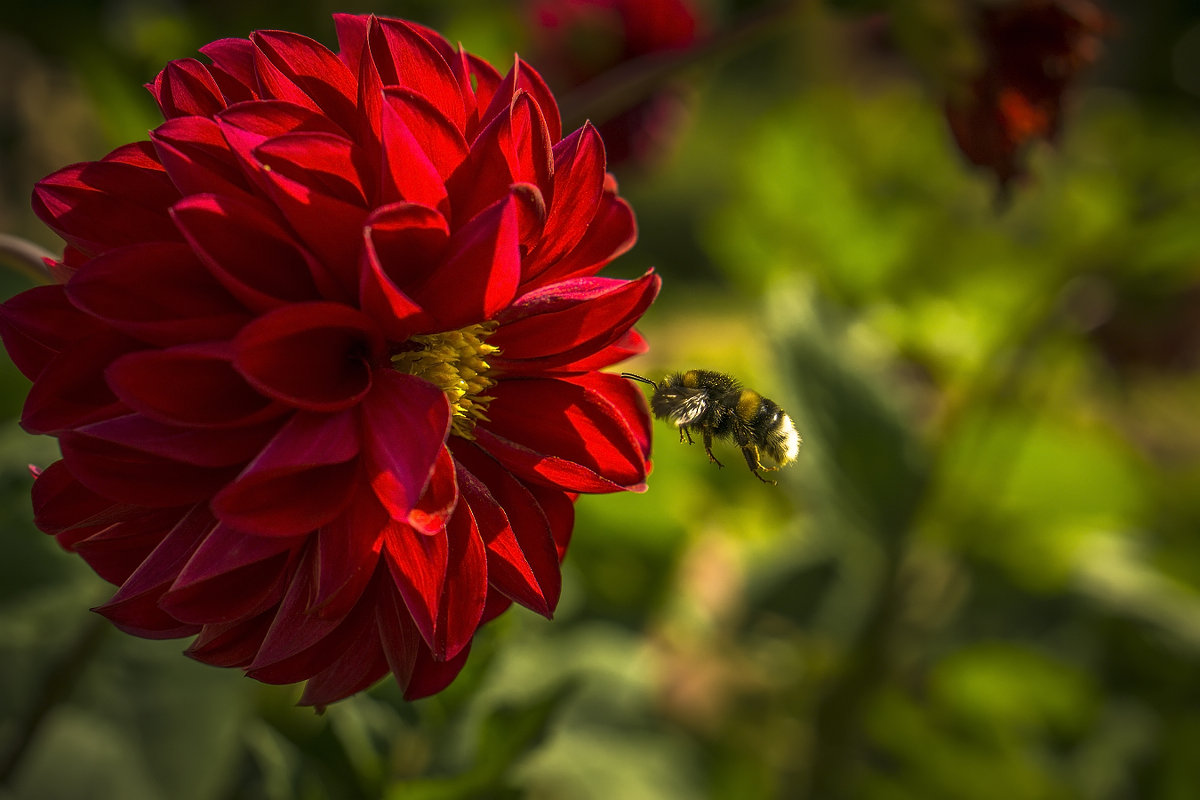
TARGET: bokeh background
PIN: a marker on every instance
(980, 580)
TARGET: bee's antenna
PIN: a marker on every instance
(633, 377)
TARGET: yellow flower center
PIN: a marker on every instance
(456, 363)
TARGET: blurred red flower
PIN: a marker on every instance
(576, 41)
(1033, 50)
(322, 355)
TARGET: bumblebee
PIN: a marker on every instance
(716, 405)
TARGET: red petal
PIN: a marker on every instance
(204, 447)
(81, 202)
(197, 158)
(578, 190)
(564, 433)
(233, 68)
(437, 503)
(567, 321)
(134, 608)
(347, 553)
(409, 171)
(38, 324)
(132, 476)
(311, 67)
(315, 356)
(430, 676)
(612, 232)
(481, 270)
(231, 644)
(523, 78)
(231, 576)
(248, 252)
(404, 421)
(513, 148)
(523, 561)
(418, 565)
(186, 88)
(158, 293)
(403, 245)
(405, 58)
(323, 163)
(71, 389)
(465, 589)
(189, 385)
(302, 480)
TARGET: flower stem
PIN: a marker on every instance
(59, 679)
(24, 256)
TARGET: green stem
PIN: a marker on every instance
(60, 678)
(24, 256)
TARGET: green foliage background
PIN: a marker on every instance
(981, 579)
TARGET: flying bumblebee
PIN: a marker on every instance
(716, 405)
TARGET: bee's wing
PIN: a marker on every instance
(689, 408)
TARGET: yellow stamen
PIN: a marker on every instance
(456, 363)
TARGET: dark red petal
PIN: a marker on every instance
(523, 562)
(404, 422)
(157, 292)
(438, 501)
(418, 566)
(231, 576)
(71, 390)
(204, 447)
(134, 608)
(312, 68)
(197, 158)
(188, 385)
(133, 476)
(564, 433)
(359, 666)
(77, 202)
(287, 652)
(248, 252)
(186, 88)
(465, 589)
(430, 676)
(348, 551)
(115, 551)
(559, 509)
(439, 138)
(397, 633)
(329, 226)
(302, 480)
(480, 271)
(403, 245)
(315, 356)
(62, 504)
(567, 321)
(232, 644)
(39, 323)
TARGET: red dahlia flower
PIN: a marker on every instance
(322, 358)
(1032, 52)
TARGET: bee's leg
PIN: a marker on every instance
(683, 431)
(708, 449)
(751, 454)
